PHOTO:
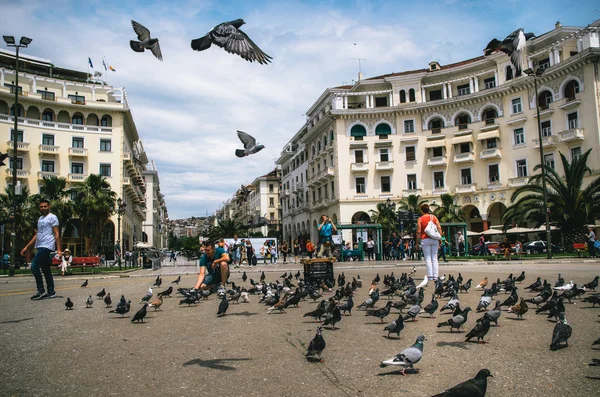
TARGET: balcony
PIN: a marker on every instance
(46, 174)
(299, 188)
(76, 177)
(466, 188)
(518, 181)
(464, 157)
(547, 141)
(384, 166)
(437, 161)
(570, 103)
(408, 192)
(48, 149)
(575, 134)
(21, 174)
(494, 153)
(325, 174)
(21, 146)
(359, 167)
(126, 181)
(56, 125)
(77, 152)
(544, 111)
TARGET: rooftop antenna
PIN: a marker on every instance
(360, 76)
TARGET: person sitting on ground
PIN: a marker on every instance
(214, 268)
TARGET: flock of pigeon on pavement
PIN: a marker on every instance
(282, 294)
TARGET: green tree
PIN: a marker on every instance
(570, 207)
(27, 215)
(225, 228)
(448, 211)
(386, 216)
(94, 204)
(54, 189)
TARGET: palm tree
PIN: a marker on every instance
(385, 215)
(448, 211)
(225, 228)
(94, 204)
(27, 214)
(570, 207)
(411, 203)
(54, 189)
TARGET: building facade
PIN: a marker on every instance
(154, 228)
(469, 129)
(71, 127)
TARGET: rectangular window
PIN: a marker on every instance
(271, 216)
(48, 139)
(521, 168)
(437, 152)
(438, 180)
(47, 166)
(410, 153)
(314, 192)
(19, 163)
(516, 105)
(549, 160)
(544, 64)
(360, 185)
(384, 155)
(465, 176)
(519, 136)
(271, 187)
(77, 99)
(489, 83)
(435, 95)
(409, 126)
(573, 120)
(546, 128)
(332, 190)
(494, 173)
(271, 202)
(575, 153)
(19, 135)
(358, 156)
(386, 185)
(76, 168)
(105, 145)
(411, 182)
(77, 143)
(492, 143)
(381, 102)
(47, 95)
(325, 191)
(463, 89)
(104, 169)
(465, 147)
(12, 88)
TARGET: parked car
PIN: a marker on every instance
(539, 247)
(474, 249)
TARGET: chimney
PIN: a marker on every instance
(360, 76)
(557, 25)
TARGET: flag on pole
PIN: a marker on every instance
(90, 62)
(104, 64)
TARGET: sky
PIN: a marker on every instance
(188, 107)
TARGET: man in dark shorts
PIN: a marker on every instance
(214, 268)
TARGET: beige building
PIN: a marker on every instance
(154, 228)
(469, 128)
(71, 127)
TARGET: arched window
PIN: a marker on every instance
(463, 121)
(48, 115)
(106, 121)
(508, 73)
(571, 89)
(319, 147)
(383, 130)
(21, 111)
(489, 115)
(325, 141)
(436, 125)
(402, 96)
(77, 119)
(411, 95)
(314, 151)
(358, 131)
(331, 135)
(544, 99)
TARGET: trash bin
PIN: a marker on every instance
(318, 269)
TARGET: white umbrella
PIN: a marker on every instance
(492, 232)
(519, 230)
(472, 234)
(542, 228)
(142, 245)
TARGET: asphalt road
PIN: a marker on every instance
(183, 351)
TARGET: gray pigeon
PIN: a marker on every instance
(316, 346)
(408, 357)
(562, 333)
(513, 46)
(3, 157)
(495, 313)
(457, 321)
(145, 41)
(395, 327)
(229, 37)
(250, 146)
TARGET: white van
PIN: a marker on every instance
(257, 242)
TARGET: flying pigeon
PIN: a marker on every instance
(475, 387)
(408, 357)
(85, 284)
(250, 146)
(145, 42)
(69, 304)
(3, 156)
(139, 316)
(513, 46)
(316, 346)
(562, 333)
(228, 36)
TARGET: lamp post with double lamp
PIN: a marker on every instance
(23, 43)
(537, 73)
(120, 212)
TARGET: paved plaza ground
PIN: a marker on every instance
(185, 351)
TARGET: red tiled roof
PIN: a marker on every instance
(452, 65)
(343, 87)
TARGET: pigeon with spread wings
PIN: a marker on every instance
(250, 146)
(145, 41)
(229, 37)
(513, 46)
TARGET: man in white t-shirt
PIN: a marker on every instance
(46, 240)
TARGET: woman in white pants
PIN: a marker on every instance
(429, 246)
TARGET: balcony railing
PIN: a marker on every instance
(464, 157)
(48, 149)
(78, 152)
(408, 192)
(384, 165)
(437, 161)
(56, 125)
(436, 130)
(76, 177)
(46, 174)
(21, 174)
(518, 181)
(463, 126)
(494, 153)
(359, 167)
(575, 134)
(466, 188)
(547, 141)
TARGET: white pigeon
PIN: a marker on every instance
(443, 278)
(423, 283)
(150, 290)
(566, 287)
(244, 296)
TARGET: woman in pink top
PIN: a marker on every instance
(428, 245)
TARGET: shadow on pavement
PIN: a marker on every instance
(217, 363)
(16, 321)
(461, 345)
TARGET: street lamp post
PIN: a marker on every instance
(536, 73)
(120, 211)
(23, 43)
